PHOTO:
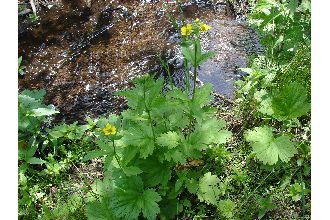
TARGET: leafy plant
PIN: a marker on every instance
(283, 26)
(149, 143)
(298, 191)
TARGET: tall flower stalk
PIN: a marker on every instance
(192, 50)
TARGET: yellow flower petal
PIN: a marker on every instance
(184, 31)
(205, 27)
(189, 29)
(109, 129)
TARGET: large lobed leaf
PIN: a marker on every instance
(208, 132)
(290, 102)
(131, 199)
(209, 190)
(269, 149)
(155, 172)
(140, 135)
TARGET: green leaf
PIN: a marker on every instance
(34, 160)
(226, 208)
(176, 155)
(265, 102)
(155, 171)
(178, 185)
(93, 154)
(192, 185)
(269, 149)
(170, 139)
(204, 57)
(208, 132)
(44, 111)
(144, 94)
(178, 120)
(169, 208)
(141, 136)
(150, 207)
(203, 95)
(19, 61)
(209, 188)
(188, 53)
(99, 210)
(131, 199)
(290, 102)
(129, 153)
(132, 171)
(223, 136)
(34, 94)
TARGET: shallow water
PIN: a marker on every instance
(81, 55)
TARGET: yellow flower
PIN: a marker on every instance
(205, 27)
(197, 20)
(109, 129)
(186, 30)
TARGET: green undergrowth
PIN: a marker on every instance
(171, 155)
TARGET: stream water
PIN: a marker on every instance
(81, 55)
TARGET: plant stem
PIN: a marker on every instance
(148, 112)
(116, 156)
(186, 70)
(195, 70)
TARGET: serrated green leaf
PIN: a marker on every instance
(178, 185)
(188, 53)
(265, 102)
(131, 199)
(208, 132)
(140, 136)
(35, 94)
(178, 120)
(170, 139)
(266, 205)
(155, 171)
(226, 208)
(104, 144)
(176, 155)
(99, 210)
(132, 171)
(150, 207)
(223, 136)
(269, 149)
(203, 95)
(129, 153)
(209, 188)
(290, 102)
(192, 185)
